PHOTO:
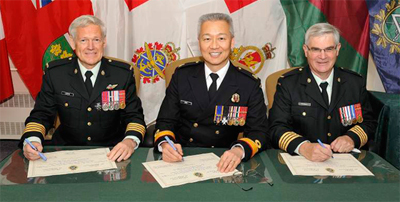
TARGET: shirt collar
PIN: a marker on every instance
(329, 79)
(221, 73)
(95, 69)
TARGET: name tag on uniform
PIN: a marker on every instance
(304, 104)
(69, 94)
(185, 102)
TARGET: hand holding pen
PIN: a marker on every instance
(28, 154)
(322, 145)
(171, 152)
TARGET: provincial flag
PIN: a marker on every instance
(350, 17)
(31, 26)
(385, 41)
(6, 85)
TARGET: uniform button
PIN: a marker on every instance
(89, 123)
(89, 109)
(195, 125)
(212, 146)
(304, 113)
(66, 104)
(191, 140)
(89, 138)
(329, 117)
(329, 134)
(217, 132)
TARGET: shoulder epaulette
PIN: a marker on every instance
(119, 63)
(350, 71)
(188, 64)
(246, 72)
(292, 72)
(57, 63)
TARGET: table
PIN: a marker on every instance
(386, 142)
(131, 182)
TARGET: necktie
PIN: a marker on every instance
(324, 93)
(88, 82)
(213, 88)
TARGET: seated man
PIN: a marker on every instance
(208, 104)
(94, 97)
(321, 102)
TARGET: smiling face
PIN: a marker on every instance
(215, 43)
(89, 45)
(321, 61)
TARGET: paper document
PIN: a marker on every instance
(193, 169)
(71, 161)
(340, 165)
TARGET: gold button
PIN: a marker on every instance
(212, 146)
(329, 134)
(89, 138)
(308, 80)
(109, 60)
(69, 58)
(195, 125)
(329, 117)
(191, 140)
(304, 113)
(89, 123)
(338, 80)
(301, 69)
(217, 132)
(89, 109)
(240, 68)
(66, 104)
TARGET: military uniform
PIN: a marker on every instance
(299, 112)
(85, 120)
(187, 116)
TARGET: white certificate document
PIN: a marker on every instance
(339, 165)
(71, 161)
(194, 168)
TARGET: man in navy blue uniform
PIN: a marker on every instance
(321, 102)
(207, 104)
(94, 97)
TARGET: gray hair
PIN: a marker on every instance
(322, 29)
(85, 20)
(215, 17)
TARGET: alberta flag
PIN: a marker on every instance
(385, 41)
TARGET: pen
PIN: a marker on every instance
(34, 148)
(171, 144)
(322, 145)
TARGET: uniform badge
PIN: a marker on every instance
(111, 86)
(351, 114)
(113, 100)
(219, 111)
(98, 106)
(235, 98)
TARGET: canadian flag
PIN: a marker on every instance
(6, 86)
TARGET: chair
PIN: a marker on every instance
(170, 69)
(270, 84)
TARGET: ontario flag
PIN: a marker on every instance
(6, 86)
(350, 17)
(34, 28)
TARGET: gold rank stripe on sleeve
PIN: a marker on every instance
(361, 134)
(35, 127)
(136, 127)
(252, 144)
(162, 134)
(286, 138)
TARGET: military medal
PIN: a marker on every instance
(98, 106)
(242, 115)
(104, 100)
(235, 98)
(230, 116)
(111, 101)
(358, 112)
(236, 116)
(219, 109)
(122, 104)
(116, 99)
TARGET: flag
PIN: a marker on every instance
(260, 32)
(350, 17)
(6, 85)
(31, 26)
(141, 31)
(385, 41)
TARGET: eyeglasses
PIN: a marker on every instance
(330, 49)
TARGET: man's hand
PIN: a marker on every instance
(230, 160)
(169, 154)
(315, 152)
(342, 144)
(123, 150)
(30, 153)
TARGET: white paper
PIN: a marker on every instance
(339, 165)
(71, 161)
(193, 169)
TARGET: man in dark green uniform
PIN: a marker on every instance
(208, 104)
(321, 102)
(94, 97)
